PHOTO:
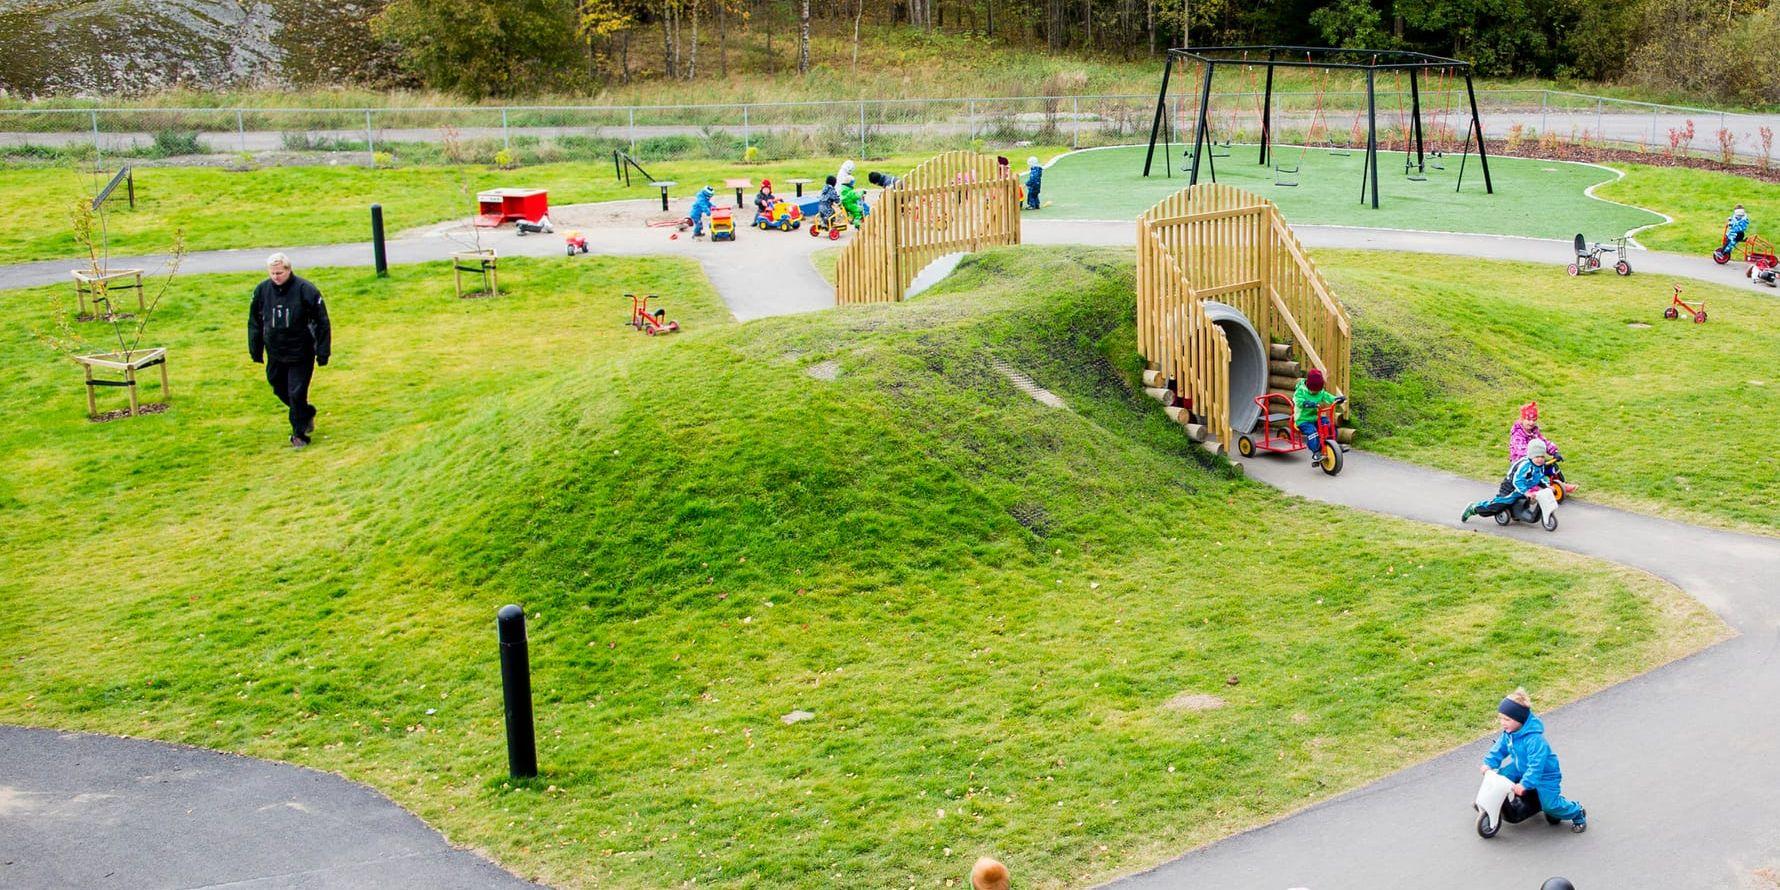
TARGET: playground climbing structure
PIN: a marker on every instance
(956, 202)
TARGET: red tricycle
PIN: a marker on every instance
(650, 323)
(1676, 305)
(1753, 249)
(1279, 435)
(575, 241)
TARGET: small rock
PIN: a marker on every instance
(1233, 680)
(796, 717)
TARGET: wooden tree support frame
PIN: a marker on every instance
(90, 287)
(1211, 241)
(955, 202)
(129, 366)
(481, 263)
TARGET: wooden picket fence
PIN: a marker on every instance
(1214, 242)
(957, 201)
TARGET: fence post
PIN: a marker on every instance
(240, 130)
(1544, 96)
(862, 129)
(506, 138)
(633, 131)
(970, 113)
(98, 153)
(1075, 130)
(370, 140)
(746, 142)
(1600, 125)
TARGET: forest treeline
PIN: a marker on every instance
(1719, 49)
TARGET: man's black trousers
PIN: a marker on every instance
(290, 382)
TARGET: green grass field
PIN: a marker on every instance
(1699, 201)
(277, 206)
(986, 603)
(1659, 419)
(1536, 198)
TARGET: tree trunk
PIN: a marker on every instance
(858, 14)
(723, 39)
(803, 39)
(772, 61)
(692, 58)
(1149, 17)
(991, 19)
(624, 56)
(667, 42)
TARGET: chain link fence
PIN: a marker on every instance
(864, 128)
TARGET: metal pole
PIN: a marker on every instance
(1483, 155)
(633, 131)
(746, 141)
(970, 112)
(1371, 136)
(506, 139)
(1161, 108)
(1075, 132)
(1600, 125)
(1267, 112)
(1544, 124)
(240, 130)
(370, 141)
(862, 129)
(1199, 128)
(381, 259)
(98, 153)
(516, 693)
(1415, 109)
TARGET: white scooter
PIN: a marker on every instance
(1497, 804)
(1540, 508)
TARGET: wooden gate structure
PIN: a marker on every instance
(1214, 242)
(957, 201)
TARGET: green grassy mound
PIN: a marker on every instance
(1536, 198)
(1658, 418)
(987, 604)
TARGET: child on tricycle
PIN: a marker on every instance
(1736, 228)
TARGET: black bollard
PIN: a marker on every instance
(516, 694)
(377, 241)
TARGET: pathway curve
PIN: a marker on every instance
(1678, 768)
(79, 811)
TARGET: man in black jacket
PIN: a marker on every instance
(288, 329)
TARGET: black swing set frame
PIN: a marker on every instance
(1370, 61)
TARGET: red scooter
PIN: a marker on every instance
(1276, 411)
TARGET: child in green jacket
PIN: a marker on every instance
(1306, 400)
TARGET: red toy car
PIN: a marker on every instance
(1277, 409)
(575, 242)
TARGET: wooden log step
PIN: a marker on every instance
(1345, 435)
(1283, 366)
(1195, 431)
(1153, 378)
(1279, 350)
(1175, 413)
(1285, 382)
(1165, 396)
(1212, 446)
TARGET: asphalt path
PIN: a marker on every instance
(89, 811)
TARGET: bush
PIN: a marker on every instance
(173, 143)
(504, 159)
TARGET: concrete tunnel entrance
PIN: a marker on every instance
(1248, 363)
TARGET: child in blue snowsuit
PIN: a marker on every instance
(831, 198)
(1736, 228)
(701, 208)
(1034, 178)
(1523, 757)
(1525, 475)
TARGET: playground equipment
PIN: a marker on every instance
(1496, 804)
(954, 202)
(1588, 257)
(574, 241)
(1538, 506)
(1414, 64)
(1754, 250)
(498, 206)
(784, 216)
(1219, 276)
(1279, 435)
(1677, 305)
(722, 224)
(651, 323)
(623, 163)
(833, 229)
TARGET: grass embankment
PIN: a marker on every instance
(1699, 201)
(289, 206)
(987, 604)
(1659, 419)
(1532, 197)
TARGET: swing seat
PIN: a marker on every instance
(1284, 176)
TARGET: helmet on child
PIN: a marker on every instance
(1557, 884)
(1529, 412)
(1313, 381)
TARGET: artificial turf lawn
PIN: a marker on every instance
(1699, 201)
(285, 206)
(1662, 419)
(985, 602)
(1536, 198)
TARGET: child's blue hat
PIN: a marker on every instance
(1514, 710)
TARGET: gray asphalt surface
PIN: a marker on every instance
(1678, 768)
(91, 811)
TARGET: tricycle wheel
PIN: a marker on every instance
(1623, 267)
(1550, 521)
(1557, 492)
(1245, 446)
(1572, 270)
(1331, 462)
(1671, 313)
(1484, 829)
(835, 235)
(571, 250)
(1720, 257)
(815, 231)
(1503, 518)
(1699, 317)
